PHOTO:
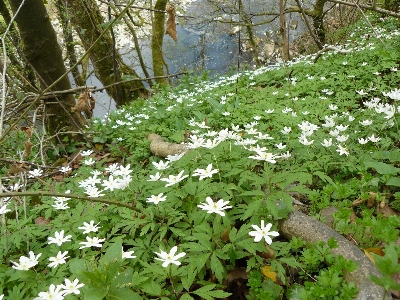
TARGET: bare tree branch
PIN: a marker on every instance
(368, 7)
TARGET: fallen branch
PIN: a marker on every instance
(329, 48)
(162, 149)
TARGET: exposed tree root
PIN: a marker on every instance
(162, 149)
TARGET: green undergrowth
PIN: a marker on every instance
(303, 134)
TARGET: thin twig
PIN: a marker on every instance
(3, 42)
(136, 79)
(68, 71)
(368, 7)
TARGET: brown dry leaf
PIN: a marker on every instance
(28, 131)
(16, 169)
(371, 199)
(83, 104)
(266, 270)
(92, 101)
(237, 273)
(383, 202)
(58, 177)
(386, 211)
(28, 149)
(225, 235)
(353, 217)
(368, 254)
(171, 24)
(376, 250)
(99, 147)
(42, 221)
(270, 253)
(357, 202)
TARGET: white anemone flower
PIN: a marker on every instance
(215, 207)
(263, 232)
(204, 173)
(170, 258)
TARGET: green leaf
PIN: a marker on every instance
(217, 267)
(95, 294)
(252, 208)
(204, 239)
(123, 278)
(200, 260)
(111, 261)
(203, 291)
(123, 294)
(151, 287)
(186, 297)
(382, 168)
(207, 292)
(219, 294)
(253, 193)
(187, 281)
(28, 275)
(113, 254)
(324, 177)
(393, 181)
(137, 279)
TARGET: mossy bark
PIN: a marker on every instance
(318, 20)
(157, 40)
(43, 52)
(69, 43)
(88, 21)
(249, 30)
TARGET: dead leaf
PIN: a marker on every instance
(371, 199)
(28, 149)
(376, 250)
(383, 202)
(386, 211)
(171, 24)
(266, 270)
(42, 221)
(357, 202)
(267, 255)
(58, 177)
(237, 273)
(353, 217)
(368, 254)
(16, 169)
(85, 104)
(28, 131)
(225, 235)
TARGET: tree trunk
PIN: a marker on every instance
(283, 30)
(157, 40)
(249, 30)
(43, 52)
(87, 20)
(69, 42)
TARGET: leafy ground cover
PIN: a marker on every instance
(116, 222)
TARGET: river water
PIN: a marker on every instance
(205, 46)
